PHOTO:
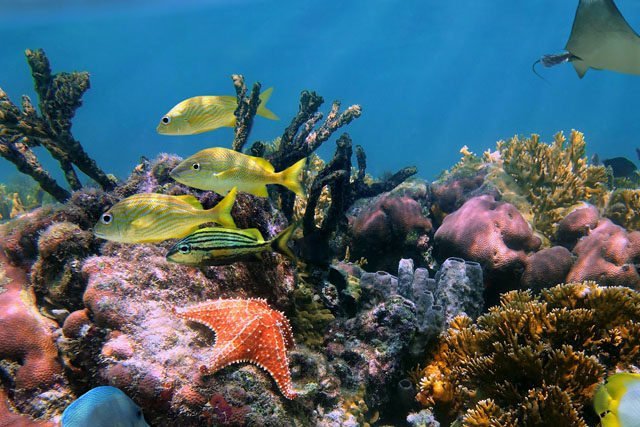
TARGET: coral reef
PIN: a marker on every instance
(388, 229)
(577, 224)
(544, 182)
(246, 111)
(30, 364)
(553, 178)
(546, 268)
(623, 207)
(459, 288)
(491, 233)
(22, 130)
(56, 274)
(385, 330)
(333, 185)
(533, 360)
(132, 339)
(608, 255)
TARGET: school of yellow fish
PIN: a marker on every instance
(153, 217)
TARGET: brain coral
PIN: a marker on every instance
(534, 360)
(608, 255)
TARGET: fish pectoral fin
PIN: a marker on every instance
(144, 221)
(226, 174)
(192, 200)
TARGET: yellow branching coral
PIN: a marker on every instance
(623, 208)
(553, 178)
(534, 360)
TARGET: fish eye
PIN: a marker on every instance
(166, 120)
(106, 218)
(139, 413)
(195, 166)
(184, 248)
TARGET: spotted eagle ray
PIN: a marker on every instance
(600, 39)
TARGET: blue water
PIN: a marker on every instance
(430, 75)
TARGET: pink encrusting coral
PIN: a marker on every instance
(26, 336)
(31, 367)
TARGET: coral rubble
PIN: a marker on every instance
(533, 359)
(21, 130)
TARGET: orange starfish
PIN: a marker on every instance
(247, 330)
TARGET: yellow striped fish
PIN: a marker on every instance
(151, 217)
(204, 113)
(220, 169)
(222, 246)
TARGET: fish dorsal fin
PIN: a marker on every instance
(191, 200)
(254, 233)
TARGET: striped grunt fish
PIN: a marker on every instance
(204, 113)
(152, 217)
(222, 246)
(221, 169)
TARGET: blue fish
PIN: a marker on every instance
(103, 406)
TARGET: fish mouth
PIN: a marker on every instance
(174, 173)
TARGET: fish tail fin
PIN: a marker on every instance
(290, 177)
(222, 211)
(279, 243)
(262, 108)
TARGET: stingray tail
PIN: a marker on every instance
(551, 60)
(533, 68)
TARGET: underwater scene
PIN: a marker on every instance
(260, 213)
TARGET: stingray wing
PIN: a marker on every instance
(602, 39)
